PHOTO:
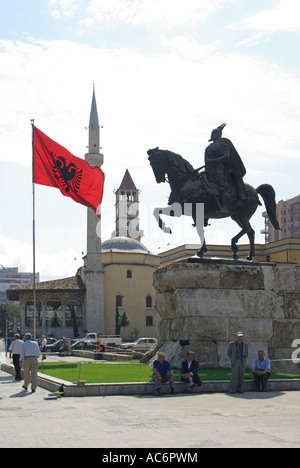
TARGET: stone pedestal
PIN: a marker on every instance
(204, 303)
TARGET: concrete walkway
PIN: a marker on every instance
(181, 421)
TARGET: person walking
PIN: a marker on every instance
(238, 353)
(43, 344)
(14, 352)
(29, 361)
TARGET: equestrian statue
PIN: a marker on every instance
(219, 187)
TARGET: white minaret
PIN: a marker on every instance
(94, 275)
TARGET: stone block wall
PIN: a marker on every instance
(205, 304)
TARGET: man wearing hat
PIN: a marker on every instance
(238, 353)
(162, 373)
(224, 167)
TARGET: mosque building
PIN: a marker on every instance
(116, 276)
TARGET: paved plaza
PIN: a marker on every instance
(180, 421)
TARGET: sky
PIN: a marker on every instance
(166, 73)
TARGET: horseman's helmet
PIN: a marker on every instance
(217, 132)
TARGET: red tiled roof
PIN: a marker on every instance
(74, 283)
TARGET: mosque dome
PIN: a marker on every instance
(123, 244)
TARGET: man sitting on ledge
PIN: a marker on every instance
(162, 373)
(261, 368)
(189, 372)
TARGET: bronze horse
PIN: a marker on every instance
(188, 186)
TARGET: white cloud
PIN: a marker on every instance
(169, 100)
(251, 41)
(60, 264)
(188, 49)
(172, 12)
(285, 16)
(61, 8)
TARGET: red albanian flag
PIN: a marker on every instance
(55, 166)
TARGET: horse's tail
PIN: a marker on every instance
(268, 194)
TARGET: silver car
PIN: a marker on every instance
(142, 344)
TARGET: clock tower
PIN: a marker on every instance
(128, 209)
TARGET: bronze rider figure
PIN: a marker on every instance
(225, 168)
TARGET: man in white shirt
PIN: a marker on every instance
(43, 344)
(29, 361)
(15, 351)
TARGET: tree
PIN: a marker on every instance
(117, 322)
(55, 320)
(121, 321)
(124, 320)
(8, 311)
(74, 320)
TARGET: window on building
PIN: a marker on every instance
(149, 301)
(129, 274)
(29, 313)
(149, 321)
(119, 300)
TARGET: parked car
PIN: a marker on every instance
(142, 344)
(106, 340)
(85, 345)
(50, 341)
(54, 348)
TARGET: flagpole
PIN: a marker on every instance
(33, 234)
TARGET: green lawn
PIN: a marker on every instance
(96, 372)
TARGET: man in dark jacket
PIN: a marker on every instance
(224, 167)
(189, 372)
(238, 353)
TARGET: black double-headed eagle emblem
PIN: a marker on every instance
(69, 175)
